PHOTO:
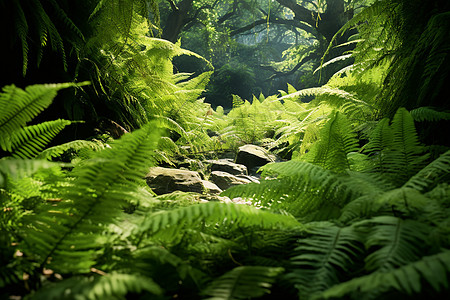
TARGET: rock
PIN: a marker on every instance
(227, 165)
(253, 157)
(225, 180)
(211, 187)
(250, 178)
(165, 180)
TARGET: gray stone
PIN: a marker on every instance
(225, 180)
(253, 157)
(227, 165)
(250, 178)
(165, 180)
(211, 187)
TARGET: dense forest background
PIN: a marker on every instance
(352, 97)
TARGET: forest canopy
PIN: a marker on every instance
(345, 101)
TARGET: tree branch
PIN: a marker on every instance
(293, 23)
(173, 5)
(309, 57)
(301, 13)
(228, 14)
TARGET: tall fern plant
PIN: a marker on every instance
(386, 213)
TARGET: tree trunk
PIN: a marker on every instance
(177, 19)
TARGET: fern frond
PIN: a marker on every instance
(50, 29)
(245, 216)
(429, 273)
(76, 145)
(368, 13)
(301, 188)
(393, 242)
(17, 106)
(17, 168)
(21, 25)
(380, 141)
(434, 173)
(243, 283)
(396, 150)
(325, 90)
(427, 113)
(407, 152)
(323, 258)
(109, 286)
(67, 236)
(29, 141)
(69, 23)
(337, 140)
(332, 61)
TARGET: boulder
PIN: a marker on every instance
(225, 180)
(250, 178)
(211, 187)
(253, 157)
(227, 165)
(165, 180)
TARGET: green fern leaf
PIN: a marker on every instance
(66, 237)
(109, 286)
(243, 283)
(323, 258)
(426, 113)
(393, 242)
(431, 272)
(406, 158)
(76, 145)
(29, 141)
(396, 150)
(336, 142)
(18, 168)
(17, 106)
(165, 223)
(434, 173)
(21, 25)
(301, 188)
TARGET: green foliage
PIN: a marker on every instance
(99, 193)
(46, 23)
(110, 286)
(408, 280)
(336, 143)
(322, 258)
(18, 107)
(361, 212)
(242, 283)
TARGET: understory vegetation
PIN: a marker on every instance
(92, 97)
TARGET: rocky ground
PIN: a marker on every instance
(208, 178)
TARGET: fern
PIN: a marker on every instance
(321, 259)
(18, 107)
(406, 158)
(335, 143)
(29, 141)
(431, 175)
(396, 148)
(95, 199)
(393, 242)
(303, 189)
(107, 286)
(242, 283)
(19, 168)
(165, 223)
(425, 113)
(77, 145)
(407, 280)
(45, 23)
